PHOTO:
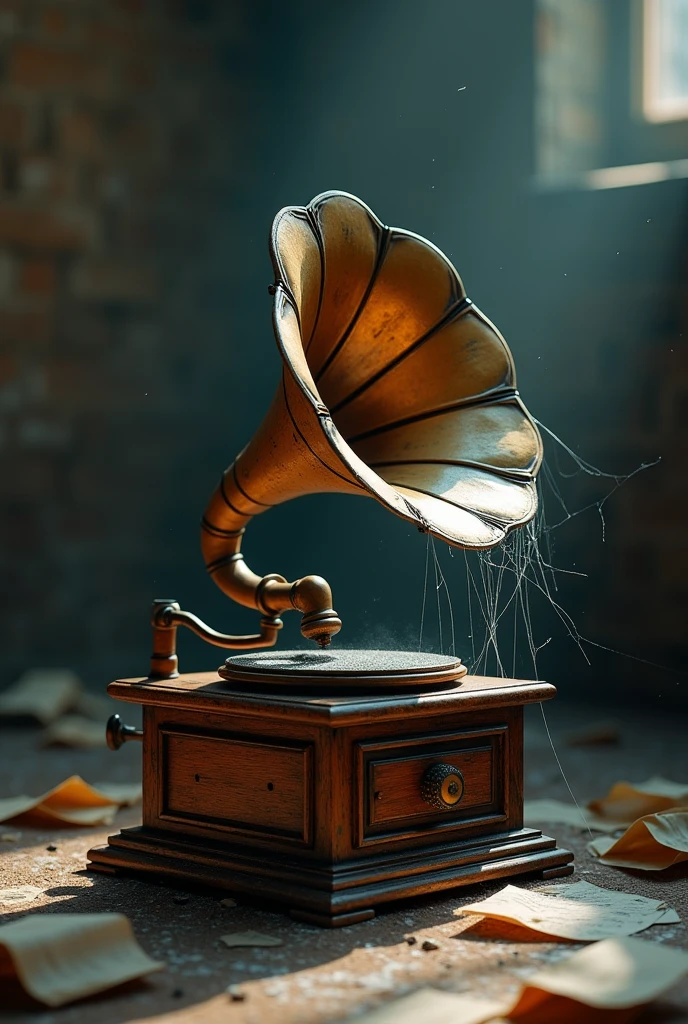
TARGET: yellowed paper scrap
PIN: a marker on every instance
(556, 812)
(73, 802)
(432, 1006)
(652, 843)
(577, 911)
(43, 694)
(626, 802)
(613, 974)
(17, 894)
(62, 957)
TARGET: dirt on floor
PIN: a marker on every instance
(316, 975)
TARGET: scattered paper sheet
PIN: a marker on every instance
(250, 939)
(615, 974)
(73, 802)
(42, 694)
(55, 698)
(17, 894)
(626, 802)
(577, 911)
(62, 957)
(432, 1006)
(556, 812)
(74, 731)
(652, 843)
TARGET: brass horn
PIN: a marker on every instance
(394, 385)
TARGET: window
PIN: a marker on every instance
(611, 105)
(665, 60)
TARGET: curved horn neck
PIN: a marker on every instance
(222, 528)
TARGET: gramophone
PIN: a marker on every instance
(331, 780)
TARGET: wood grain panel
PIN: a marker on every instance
(238, 784)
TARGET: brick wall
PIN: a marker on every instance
(119, 142)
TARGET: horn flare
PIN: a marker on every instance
(413, 388)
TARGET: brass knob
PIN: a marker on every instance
(117, 733)
(442, 786)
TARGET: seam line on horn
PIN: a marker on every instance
(500, 396)
(458, 310)
(248, 497)
(212, 567)
(383, 249)
(313, 453)
(244, 515)
(519, 476)
(218, 531)
(315, 228)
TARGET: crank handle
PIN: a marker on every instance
(116, 733)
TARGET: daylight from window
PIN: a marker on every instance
(665, 38)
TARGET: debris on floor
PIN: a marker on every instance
(319, 976)
(58, 958)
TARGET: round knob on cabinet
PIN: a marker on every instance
(442, 786)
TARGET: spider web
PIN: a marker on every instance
(502, 583)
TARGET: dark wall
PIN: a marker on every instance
(141, 358)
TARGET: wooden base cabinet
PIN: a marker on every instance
(332, 805)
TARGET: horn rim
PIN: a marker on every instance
(388, 494)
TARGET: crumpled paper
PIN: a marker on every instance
(626, 802)
(653, 843)
(58, 958)
(73, 802)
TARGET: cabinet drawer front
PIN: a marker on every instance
(237, 785)
(396, 785)
(393, 804)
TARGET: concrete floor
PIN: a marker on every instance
(321, 976)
